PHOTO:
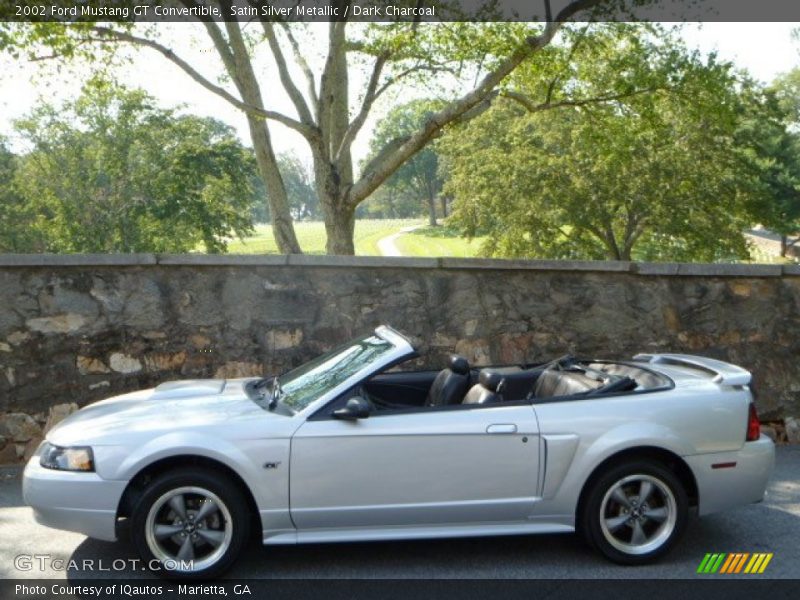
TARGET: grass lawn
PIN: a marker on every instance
(438, 241)
(311, 235)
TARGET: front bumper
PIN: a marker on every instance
(80, 502)
(729, 486)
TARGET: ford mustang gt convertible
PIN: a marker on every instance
(352, 447)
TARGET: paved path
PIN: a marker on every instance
(768, 242)
(772, 526)
(387, 246)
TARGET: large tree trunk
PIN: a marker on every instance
(282, 226)
(784, 245)
(443, 202)
(339, 228)
(236, 58)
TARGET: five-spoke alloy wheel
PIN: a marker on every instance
(634, 512)
(191, 523)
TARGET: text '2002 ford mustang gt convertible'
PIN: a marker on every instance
(346, 447)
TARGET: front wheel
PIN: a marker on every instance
(635, 512)
(190, 524)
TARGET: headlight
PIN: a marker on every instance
(77, 458)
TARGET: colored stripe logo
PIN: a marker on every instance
(734, 562)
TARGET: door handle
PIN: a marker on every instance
(502, 428)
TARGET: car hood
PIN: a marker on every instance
(193, 404)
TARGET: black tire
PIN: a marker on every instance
(634, 534)
(227, 526)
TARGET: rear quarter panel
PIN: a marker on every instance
(692, 419)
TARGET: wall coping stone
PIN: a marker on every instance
(656, 268)
(394, 262)
(323, 260)
(228, 260)
(791, 269)
(729, 270)
(535, 265)
(76, 260)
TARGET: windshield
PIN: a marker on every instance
(301, 386)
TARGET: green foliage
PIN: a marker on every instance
(52, 39)
(416, 185)
(633, 158)
(300, 192)
(786, 90)
(111, 172)
(15, 235)
(769, 146)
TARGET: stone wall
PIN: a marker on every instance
(75, 329)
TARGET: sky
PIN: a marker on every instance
(764, 49)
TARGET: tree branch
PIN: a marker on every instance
(286, 79)
(390, 81)
(534, 107)
(369, 98)
(303, 63)
(380, 170)
(111, 35)
(332, 94)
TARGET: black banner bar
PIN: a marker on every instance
(723, 588)
(398, 10)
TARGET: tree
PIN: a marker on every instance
(769, 146)
(598, 179)
(15, 215)
(418, 178)
(327, 116)
(300, 193)
(113, 173)
(390, 202)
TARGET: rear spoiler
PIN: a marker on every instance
(722, 372)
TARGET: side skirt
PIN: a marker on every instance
(317, 536)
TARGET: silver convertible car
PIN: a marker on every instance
(348, 447)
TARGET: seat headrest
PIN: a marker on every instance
(459, 364)
(491, 380)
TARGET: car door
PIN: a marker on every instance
(456, 466)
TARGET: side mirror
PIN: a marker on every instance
(356, 408)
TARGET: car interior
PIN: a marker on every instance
(458, 383)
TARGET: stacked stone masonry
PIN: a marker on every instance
(75, 329)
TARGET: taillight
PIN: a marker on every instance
(753, 425)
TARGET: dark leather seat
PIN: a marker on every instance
(552, 383)
(488, 390)
(451, 384)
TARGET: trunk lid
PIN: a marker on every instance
(718, 371)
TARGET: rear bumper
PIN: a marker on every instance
(80, 502)
(721, 486)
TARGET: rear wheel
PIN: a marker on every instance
(635, 512)
(190, 524)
